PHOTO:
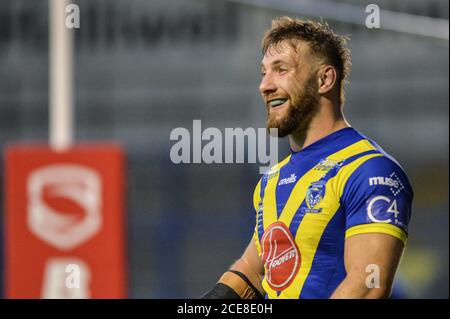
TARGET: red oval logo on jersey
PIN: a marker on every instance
(280, 255)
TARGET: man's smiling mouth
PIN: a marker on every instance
(276, 103)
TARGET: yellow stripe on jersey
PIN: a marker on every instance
(307, 238)
(269, 200)
(377, 228)
(256, 240)
(256, 200)
(256, 196)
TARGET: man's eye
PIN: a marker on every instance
(281, 70)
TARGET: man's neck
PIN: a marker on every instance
(321, 125)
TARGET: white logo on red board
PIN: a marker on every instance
(280, 255)
(74, 186)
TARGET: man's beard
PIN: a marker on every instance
(303, 106)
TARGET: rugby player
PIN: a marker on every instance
(331, 218)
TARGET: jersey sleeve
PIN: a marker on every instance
(377, 198)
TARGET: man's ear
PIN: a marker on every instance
(327, 79)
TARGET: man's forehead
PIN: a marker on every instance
(285, 51)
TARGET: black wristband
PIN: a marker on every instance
(244, 278)
(221, 291)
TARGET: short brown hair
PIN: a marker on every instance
(323, 41)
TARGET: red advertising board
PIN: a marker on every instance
(65, 222)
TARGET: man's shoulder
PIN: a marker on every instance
(380, 171)
(386, 160)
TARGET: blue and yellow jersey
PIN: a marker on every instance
(306, 205)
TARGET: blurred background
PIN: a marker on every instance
(143, 68)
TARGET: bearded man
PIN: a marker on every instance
(331, 218)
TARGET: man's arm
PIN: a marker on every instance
(364, 255)
(243, 279)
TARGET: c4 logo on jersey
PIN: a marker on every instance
(378, 206)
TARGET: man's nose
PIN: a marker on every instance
(267, 85)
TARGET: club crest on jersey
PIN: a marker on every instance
(314, 195)
(280, 255)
